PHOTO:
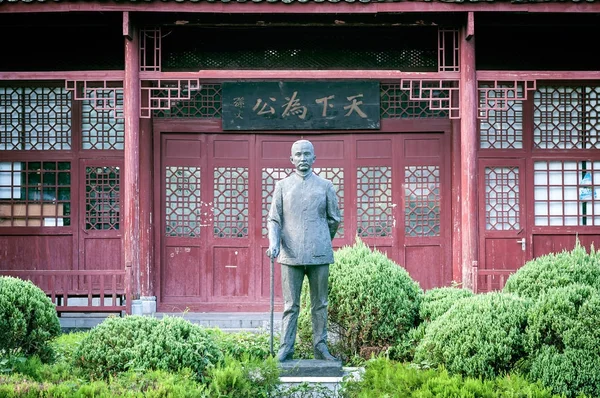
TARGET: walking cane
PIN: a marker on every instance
(272, 301)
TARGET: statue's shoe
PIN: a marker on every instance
(321, 352)
(285, 356)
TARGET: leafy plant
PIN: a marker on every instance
(28, 318)
(143, 343)
(556, 270)
(439, 300)
(481, 336)
(251, 378)
(373, 302)
(563, 338)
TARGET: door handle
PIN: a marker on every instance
(523, 242)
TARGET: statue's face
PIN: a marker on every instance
(303, 156)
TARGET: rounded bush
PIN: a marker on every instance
(556, 270)
(439, 300)
(28, 318)
(481, 336)
(373, 302)
(143, 343)
(563, 338)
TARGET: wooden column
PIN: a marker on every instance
(131, 175)
(468, 152)
(146, 209)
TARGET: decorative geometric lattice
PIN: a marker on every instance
(374, 201)
(100, 129)
(230, 211)
(204, 103)
(396, 103)
(441, 95)
(150, 49)
(422, 200)
(502, 127)
(270, 176)
(502, 207)
(448, 50)
(103, 95)
(35, 118)
(404, 48)
(566, 193)
(102, 198)
(566, 118)
(499, 95)
(336, 176)
(35, 194)
(160, 94)
(183, 207)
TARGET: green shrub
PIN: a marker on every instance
(28, 318)
(248, 378)
(439, 300)
(481, 336)
(138, 343)
(152, 384)
(385, 378)
(244, 344)
(373, 302)
(556, 270)
(563, 338)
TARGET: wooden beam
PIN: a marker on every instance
(470, 25)
(265, 7)
(468, 158)
(126, 25)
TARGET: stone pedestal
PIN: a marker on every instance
(311, 368)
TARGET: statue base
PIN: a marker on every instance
(311, 368)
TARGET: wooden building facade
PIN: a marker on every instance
(140, 141)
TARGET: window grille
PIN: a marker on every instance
(422, 201)
(102, 198)
(374, 201)
(36, 118)
(230, 203)
(503, 128)
(502, 207)
(567, 193)
(566, 117)
(183, 207)
(35, 194)
(101, 129)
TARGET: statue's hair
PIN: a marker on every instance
(302, 142)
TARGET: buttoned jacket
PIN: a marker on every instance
(305, 211)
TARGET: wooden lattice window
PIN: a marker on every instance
(35, 118)
(396, 103)
(374, 201)
(101, 128)
(102, 198)
(336, 176)
(204, 103)
(567, 118)
(422, 200)
(503, 128)
(567, 193)
(183, 207)
(230, 203)
(270, 176)
(35, 194)
(502, 207)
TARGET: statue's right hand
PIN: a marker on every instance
(273, 252)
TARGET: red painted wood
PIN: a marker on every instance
(500, 251)
(209, 272)
(67, 75)
(555, 243)
(298, 7)
(146, 210)
(455, 202)
(468, 157)
(131, 175)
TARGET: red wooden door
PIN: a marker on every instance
(216, 189)
(502, 221)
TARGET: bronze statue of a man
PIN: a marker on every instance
(302, 222)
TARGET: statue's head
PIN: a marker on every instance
(303, 156)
